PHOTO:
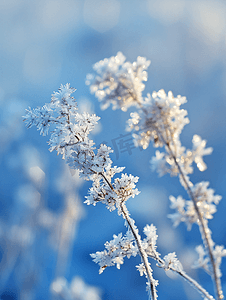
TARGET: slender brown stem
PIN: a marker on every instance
(108, 182)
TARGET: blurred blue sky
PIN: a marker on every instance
(45, 229)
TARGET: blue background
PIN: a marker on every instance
(45, 229)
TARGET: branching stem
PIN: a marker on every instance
(202, 227)
(206, 241)
(185, 276)
(138, 242)
(142, 252)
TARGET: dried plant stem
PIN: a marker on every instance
(185, 276)
(203, 230)
(142, 252)
(138, 242)
(206, 240)
(156, 257)
(194, 283)
(121, 84)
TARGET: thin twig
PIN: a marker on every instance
(204, 235)
(142, 252)
(186, 277)
(206, 240)
(138, 242)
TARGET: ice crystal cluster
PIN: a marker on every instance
(205, 199)
(118, 82)
(159, 118)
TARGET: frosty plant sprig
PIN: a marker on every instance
(70, 137)
(160, 119)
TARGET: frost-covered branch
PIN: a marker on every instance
(160, 119)
(70, 138)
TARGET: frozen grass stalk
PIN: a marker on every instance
(158, 118)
